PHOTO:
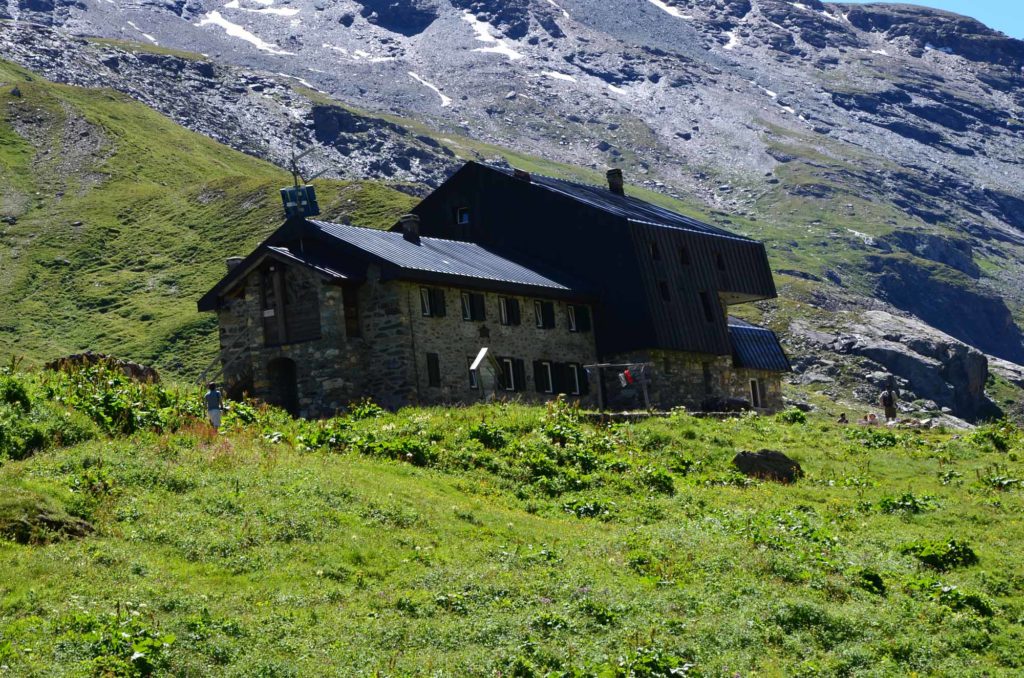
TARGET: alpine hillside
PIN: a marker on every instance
(874, 148)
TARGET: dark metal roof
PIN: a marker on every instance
(436, 255)
(629, 207)
(209, 301)
(311, 262)
(756, 348)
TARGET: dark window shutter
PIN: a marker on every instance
(502, 375)
(519, 370)
(437, 303)
(478, 309)
(548, 314)
(433, 369)
(538, 376)
(583, 319)
(512, 306)
(558, 378)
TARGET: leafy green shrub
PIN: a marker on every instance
(941, 556)
(872, 438)
(120, 405)
(547, 623)
(412, 450)
(999, 435)
(792, 415)
(650, 662)
(365, 409)
(14, 392)
(995, 477)
(599, 613)
(120, 644)
(950, 596)
(589, 509)
(657, 480)
(19, 436)
(329, 435)
(869, 580)
(907, 503)
(562, 423)
(490, 436)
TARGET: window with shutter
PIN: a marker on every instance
(508, 310)
(544, 314)
(473, 306)
(755, 394)
(579, 318)
(575, 379)
(543, 377)
(507, 377)
(474, 382)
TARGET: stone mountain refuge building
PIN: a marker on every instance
(553, 278)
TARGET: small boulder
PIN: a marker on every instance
(768, 465)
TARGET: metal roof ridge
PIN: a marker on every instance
(717, 233)
(392, 233)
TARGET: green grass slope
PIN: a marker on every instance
(497, 540)
(115, 221)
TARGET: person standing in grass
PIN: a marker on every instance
(214, 405)
(888, 403)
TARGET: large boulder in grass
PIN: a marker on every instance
(768, 465)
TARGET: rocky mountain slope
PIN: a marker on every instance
(875, 148)
(114, 220)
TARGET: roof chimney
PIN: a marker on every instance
(615, 184)
(233, 263)
(522, 175)
(410, 228)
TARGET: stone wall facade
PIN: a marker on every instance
(456, 342)
(384, 354)
(386, 357)
(679, 379)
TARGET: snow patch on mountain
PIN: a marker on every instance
(483, 34)
(665, 7)
(445, 100)
(215, 18)
(147, 36)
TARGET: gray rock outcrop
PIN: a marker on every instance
(933, 366)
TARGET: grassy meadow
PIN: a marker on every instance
(493, 540)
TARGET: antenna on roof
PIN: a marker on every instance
(299, 199)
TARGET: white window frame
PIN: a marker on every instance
(755, 394)
(425, 302)
(503, 310)
(546, 365)
(509, 365)
(575, 371)
(474, 382)
(467, 307)
(572, 318)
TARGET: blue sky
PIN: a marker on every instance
(1003, 15)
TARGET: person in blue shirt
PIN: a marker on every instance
(214, 405)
